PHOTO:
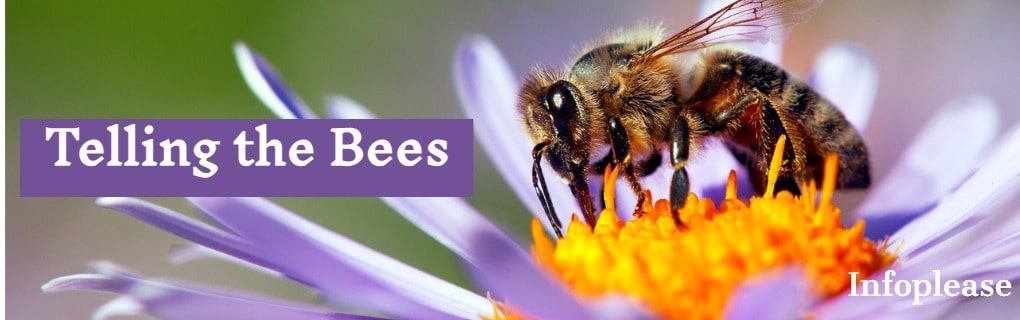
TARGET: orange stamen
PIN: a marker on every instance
(731, 185)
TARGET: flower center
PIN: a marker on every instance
(690, 273)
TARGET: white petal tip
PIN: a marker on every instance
(110, 268)
(241, 51)
(846, 74)
(107, 202)
(122, 306)
(54, 285)
(268, 86)
(475, 52)
(977, 102)
(474, 41)
(183, 253)
(342, 107)
(69, 283)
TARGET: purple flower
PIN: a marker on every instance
(950, 204)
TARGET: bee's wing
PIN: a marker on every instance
(742, 20)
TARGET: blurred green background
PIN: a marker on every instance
(134, 59)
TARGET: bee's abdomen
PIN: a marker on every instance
(779, 103)
(758, 73)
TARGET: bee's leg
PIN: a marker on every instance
(650, 164)
(622, 156)
(679, 150)
(538, 181)
(732, 112)
(646, 167)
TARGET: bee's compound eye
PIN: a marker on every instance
(559, 99)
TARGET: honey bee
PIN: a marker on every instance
(628, 98)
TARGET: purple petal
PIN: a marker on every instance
(312, 256)
(168, 300)
(928, 169)
(452, 222)
(659, 181)
(982, 243)
(894, 307)
(897, 307)
(625, 198)
(327, 278)
(781, 295)
(710, 169)
(987, 308)
(995, 185)
(268, 86)
(488, 93)
(341, 268)
(1000, 259)
(989, 248)
(620, 307)
(847, 76)
(518, 281)
(984, 246)
(180, 254)
(182, 226)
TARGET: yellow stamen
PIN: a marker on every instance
(731, 185)
(829, 180)
(691, 273)
(777, 160)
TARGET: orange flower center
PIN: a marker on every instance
(691, 273)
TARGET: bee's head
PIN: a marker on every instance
(553, 111)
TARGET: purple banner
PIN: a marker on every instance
(306, 158)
